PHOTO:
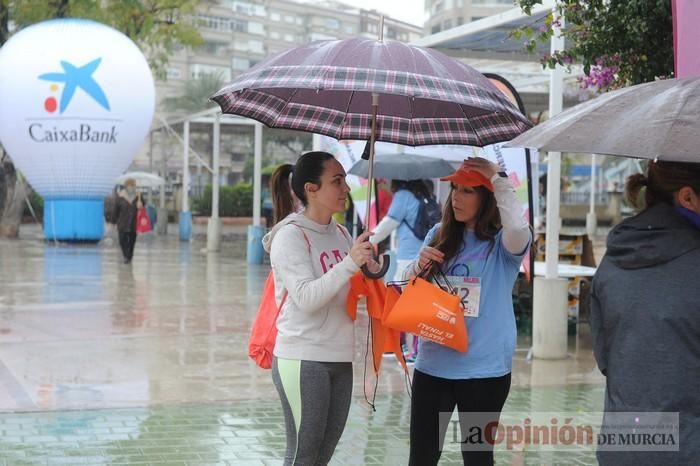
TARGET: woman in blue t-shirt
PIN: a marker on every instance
(479, 246)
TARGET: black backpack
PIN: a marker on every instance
(429, 213)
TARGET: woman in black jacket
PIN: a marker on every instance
(127, 205)
(645, 313)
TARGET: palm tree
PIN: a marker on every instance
(195, 95)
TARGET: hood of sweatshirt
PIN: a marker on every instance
(655, 236)
(301, 221)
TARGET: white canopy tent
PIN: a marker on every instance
(214, 117)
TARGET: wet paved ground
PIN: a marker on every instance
(106, 363)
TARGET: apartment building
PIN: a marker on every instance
(446, 14)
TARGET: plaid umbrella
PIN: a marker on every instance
(374, 90)
(326, 87)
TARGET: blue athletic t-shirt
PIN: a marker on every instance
(404, 209)
(492, 335)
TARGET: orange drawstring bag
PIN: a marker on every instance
(263, 335)
(380, 339)
(427, 310)
(264, 332)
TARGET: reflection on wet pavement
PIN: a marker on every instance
(154, 355)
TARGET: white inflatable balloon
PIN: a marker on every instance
(76, 102)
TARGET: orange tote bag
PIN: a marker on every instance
(426, 310)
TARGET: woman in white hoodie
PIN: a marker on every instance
(313, 259)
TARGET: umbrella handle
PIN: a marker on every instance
(385, 261)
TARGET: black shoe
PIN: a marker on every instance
(127, 261)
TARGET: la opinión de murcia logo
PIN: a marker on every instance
(73, 78)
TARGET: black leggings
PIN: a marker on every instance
(435, 395)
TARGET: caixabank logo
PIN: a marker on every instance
(73, 79)
(77, 102)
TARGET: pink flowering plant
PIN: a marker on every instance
(619, 43)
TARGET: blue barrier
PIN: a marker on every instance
(255, 252)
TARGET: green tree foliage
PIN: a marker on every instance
(195, 95)
(158, 26)
(619, 42)
(234, 201)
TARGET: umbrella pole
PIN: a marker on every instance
(370, 182)
(370, 175)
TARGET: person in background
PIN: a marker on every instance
(482, 236)
(266, 197)
(401, 215)
(313, 259)
(645, 311)
(125, 210)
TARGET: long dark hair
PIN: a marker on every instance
(662, 181)
(417, 187)
(450, 235)
(281, 192)
(308, 169)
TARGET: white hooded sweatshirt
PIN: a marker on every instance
(313, 324)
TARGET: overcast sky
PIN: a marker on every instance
(410, 11)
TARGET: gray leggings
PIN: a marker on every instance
(315, 399)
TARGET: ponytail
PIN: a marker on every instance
(633, 189)
(662, 181)
(281, 192)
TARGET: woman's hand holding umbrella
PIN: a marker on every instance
(362, 253)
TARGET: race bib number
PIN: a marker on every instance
(469, 291)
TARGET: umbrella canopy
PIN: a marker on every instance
(144, 179)
(403, 167)
(657, 120)
(326, 87)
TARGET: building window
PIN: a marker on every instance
(198, 71)
(332, 23)
(256, 46)
(289, 37)
(298, 21)
(447, 24)
(215, 48)
(349, 30)
(239, 25)
(240, 64)
(275, 35)
(275, 17)
(216, 23)
(289, 19)
(314, 36)
(477, 18)
(256, 28)
(173, 73)
(247, 8)
(438, 7)
(460, 20)
(435, 29)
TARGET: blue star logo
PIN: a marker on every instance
(78, 77)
